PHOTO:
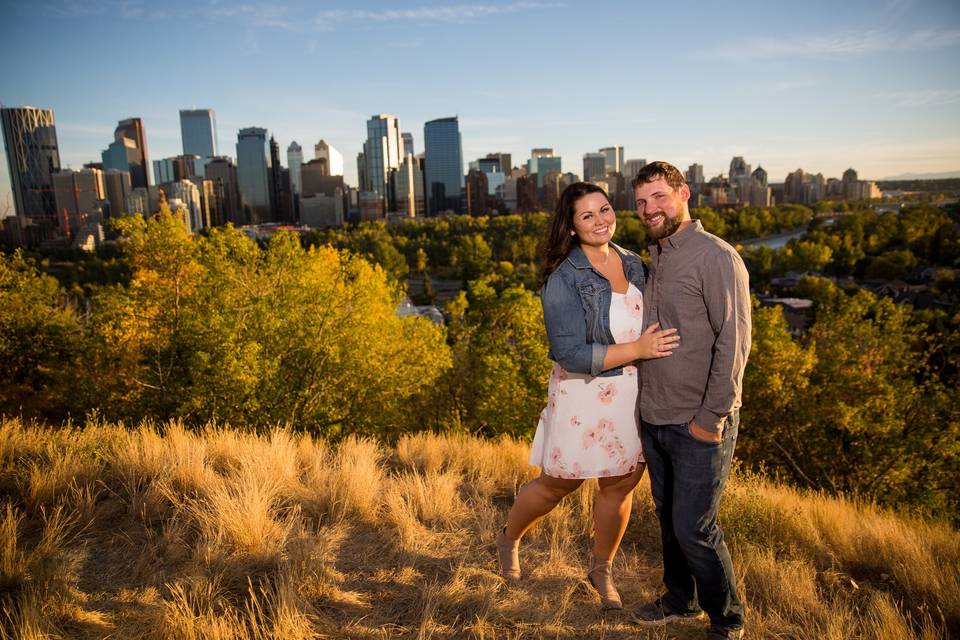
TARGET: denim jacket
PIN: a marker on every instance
(576, 311)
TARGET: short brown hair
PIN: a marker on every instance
(659, 170)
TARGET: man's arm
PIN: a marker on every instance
(726, 293)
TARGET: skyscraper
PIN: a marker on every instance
(407, 144)
(695, 174)
(78, 195)
(132, 128)
(614, 159)
(543, 162)
(198, 129)
(116, 187)
(294, 162)
(223, 173)
(632, 167)
(594, 166)
(444, 165)
(739, 170)
(381, 153)
(253, 157)
(331, 157)
(30, 138)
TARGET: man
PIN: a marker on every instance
(689, 402)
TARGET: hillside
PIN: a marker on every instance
(109, 532)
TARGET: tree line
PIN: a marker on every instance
(295, 332)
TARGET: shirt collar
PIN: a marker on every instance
(677, 240)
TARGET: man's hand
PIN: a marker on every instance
(701, 434)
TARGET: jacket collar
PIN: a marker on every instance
(579, 259)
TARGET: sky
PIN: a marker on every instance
(822, 86)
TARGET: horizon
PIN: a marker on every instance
(819, 87)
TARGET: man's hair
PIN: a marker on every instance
(659, 170)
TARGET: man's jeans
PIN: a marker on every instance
(687, 478)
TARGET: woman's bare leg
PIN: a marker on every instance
(611, 511)
(536, 499)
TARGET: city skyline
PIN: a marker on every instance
(820, 87)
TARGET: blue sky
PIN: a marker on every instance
(817, 85)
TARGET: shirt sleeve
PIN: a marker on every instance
(566, 326)
(726, 292)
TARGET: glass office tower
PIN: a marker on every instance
(444, 165)
(253, 156)
(33, 157)
(198, 129)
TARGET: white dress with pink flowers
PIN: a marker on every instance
(589, 427)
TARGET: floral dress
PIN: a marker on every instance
(589, 427)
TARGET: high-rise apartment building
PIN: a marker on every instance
(594, 166)
(332, 158)
(198, 130)
(33, 157)
(614, 159)
(443, 156)
(139, 163)
(253, 177)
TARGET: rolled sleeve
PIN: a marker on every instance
(726, 291)
(567, 329)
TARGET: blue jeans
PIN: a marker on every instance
(686, 479)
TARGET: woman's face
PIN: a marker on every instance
(594, 220)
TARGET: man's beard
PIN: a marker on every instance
(668, 228)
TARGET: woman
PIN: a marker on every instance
(592, 297)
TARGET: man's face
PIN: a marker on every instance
(661, 208)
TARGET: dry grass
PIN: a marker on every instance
(162, 532)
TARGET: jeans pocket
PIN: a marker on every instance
(708, 443)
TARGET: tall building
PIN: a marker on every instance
(761, 175)
(253, 157)
(739, 170)
(120, 155)
(381, 154)
(178, 168)
(279, 187)
(332, 158)
(116, 187)
(198, 129)
(139, 163)
(443, 154)
(542, 162)
(504, 160)
(695, 174)
(614, 159)
(409, 187)
(79, 195)
(632, 167)
(407, 138)
(594, 166)
(222, 172)
(30, 138)
(477, 193)
(294, 162)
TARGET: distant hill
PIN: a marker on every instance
(155, 533)
(923, 176)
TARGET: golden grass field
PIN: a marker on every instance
(113, 532)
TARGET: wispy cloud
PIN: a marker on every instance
(457, 13)
(840, 44)
(922, 98)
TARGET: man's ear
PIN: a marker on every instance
(685, 192)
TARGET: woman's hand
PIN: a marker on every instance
(656, 344)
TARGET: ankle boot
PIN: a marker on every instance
(508, 553)
(600, 576)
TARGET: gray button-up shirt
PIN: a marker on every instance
(699, 286)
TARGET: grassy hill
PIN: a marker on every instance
(110, 532)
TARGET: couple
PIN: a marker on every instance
(695, 306)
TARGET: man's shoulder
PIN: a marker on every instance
(714, 245)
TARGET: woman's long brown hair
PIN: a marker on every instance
(559, 240)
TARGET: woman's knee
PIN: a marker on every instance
(621, 486)
(557, 488)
